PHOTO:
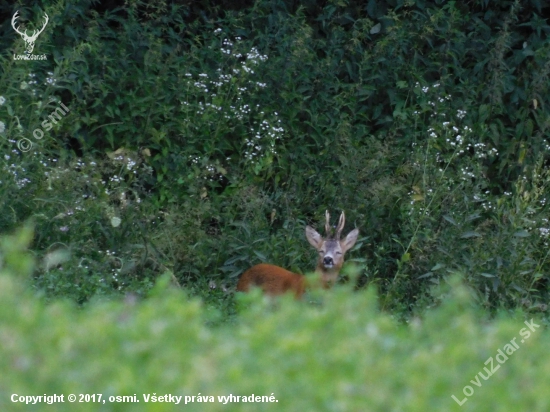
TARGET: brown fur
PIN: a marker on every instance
(273, 280)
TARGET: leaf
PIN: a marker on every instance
(522, 154)
(473, 216)
(529, 125)
(260, 255)
(376, 28)
(450, 220)
(242, 225)
(221, 170)
(483, 112)
(521, 233)
(516, 287)
(438, 266)
(525, 272)
(372, 9)
(487, 275)
(115, 221)
(229, 262)
(467, 235)
(426, 275)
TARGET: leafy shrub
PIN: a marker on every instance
(245, 123)
(340, 354)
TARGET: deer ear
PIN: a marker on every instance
(350, 240)
(313, 237)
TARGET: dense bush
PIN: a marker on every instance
(201, 139)
(339, 354)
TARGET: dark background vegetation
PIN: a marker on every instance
(426, 121)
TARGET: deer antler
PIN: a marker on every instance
(47, 19)
(35, 33)
(341, 223)
(14, 18)
(327, 223)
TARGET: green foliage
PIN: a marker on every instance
(340, 354)
(202, 138)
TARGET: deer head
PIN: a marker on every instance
(331, 249)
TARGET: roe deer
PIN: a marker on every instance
(275, 280)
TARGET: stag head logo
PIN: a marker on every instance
(29, 40)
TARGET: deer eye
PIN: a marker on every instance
(321, 252)
(338, 253)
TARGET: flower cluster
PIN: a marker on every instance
(454, 159)
(225, 97)
(457, 149)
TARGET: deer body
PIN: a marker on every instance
(275, 280)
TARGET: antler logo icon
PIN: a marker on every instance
(29, 40)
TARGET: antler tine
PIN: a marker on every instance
(341, 223)
(13, 19)
(44, 26)
(327, 223)
(36, 33)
